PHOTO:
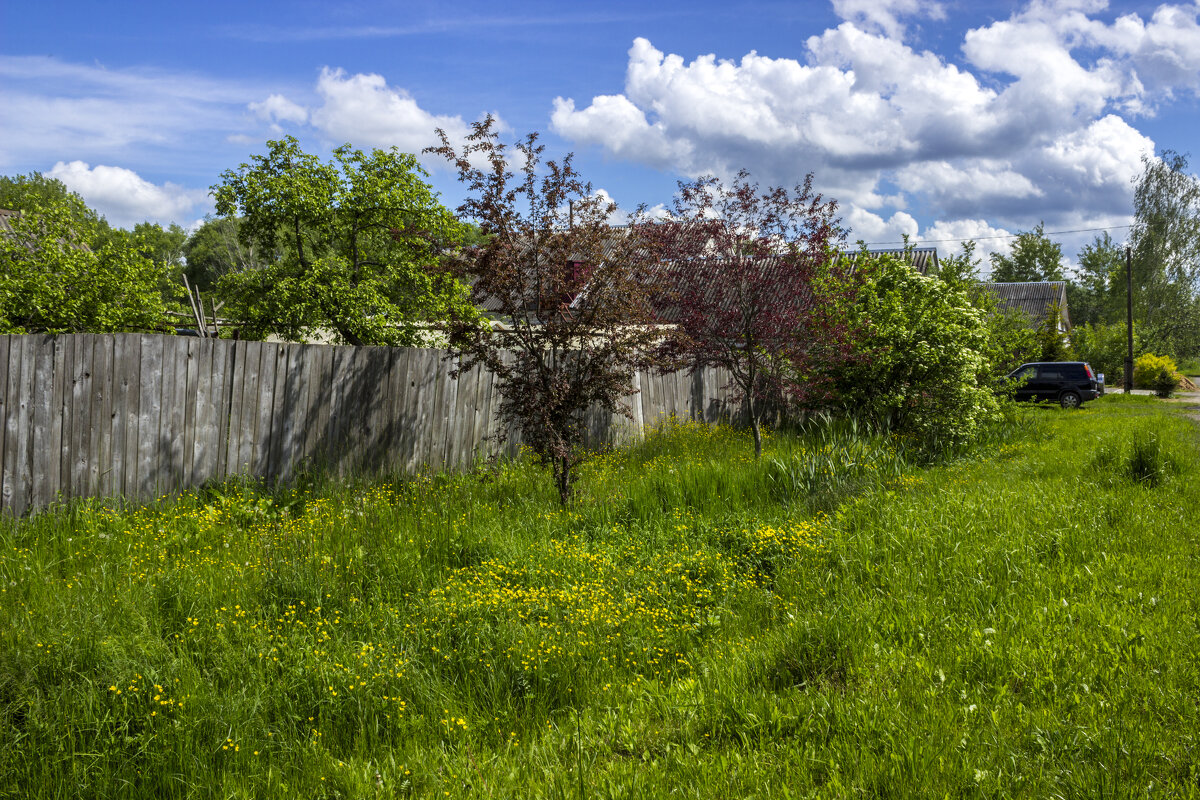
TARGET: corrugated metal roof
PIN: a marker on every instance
(6, 228)
(1032, 298)
(668, 275)
(611, 243)
(923, 259)
(672, 277)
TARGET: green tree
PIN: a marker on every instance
(1096, 290)
(64, 275)
(1104, 346)
(165, 246)
(35, 191)
(1166, 255)
(473, 235)
(1034, 258)
(347, 245)
(1052, 346)
(962, 269)
(216, 249)
(573, 295)
(925, 368)
(1011, 342)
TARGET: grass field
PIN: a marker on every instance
(829, 622)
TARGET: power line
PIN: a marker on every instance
(998, 236)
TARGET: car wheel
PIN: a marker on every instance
(1069, 400)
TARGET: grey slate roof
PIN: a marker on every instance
(666, 273)
(672, 276)
(923, 259)
(1032, 298)
(6, 229)
(611, 242)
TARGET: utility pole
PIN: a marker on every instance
(1128, 320)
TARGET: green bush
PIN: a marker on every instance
(924, 367)
(1054, 345)
(1104, 347)
(65, 273)
(1157, 373)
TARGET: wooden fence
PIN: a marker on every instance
(137, 416)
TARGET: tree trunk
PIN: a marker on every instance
(562, 476)
(349, 336)
(754, 426)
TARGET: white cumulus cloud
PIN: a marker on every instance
(1032, 124)
(125, 198)
(365, 110)
(885, 15)
(948, 235)
(867, 226)
(277, 108)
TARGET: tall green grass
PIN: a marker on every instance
(826, 621)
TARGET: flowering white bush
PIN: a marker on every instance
(923, 369)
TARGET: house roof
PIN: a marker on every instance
(704, 271)
(923, 259)
(7, 217)
(673, 276)
(1032, 298)
(610, 243)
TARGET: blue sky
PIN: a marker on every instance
(943, 120)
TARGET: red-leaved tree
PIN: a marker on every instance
(755, 287)
(568, 295)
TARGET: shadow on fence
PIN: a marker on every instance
(138, 415)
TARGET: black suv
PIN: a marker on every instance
(1069, 383)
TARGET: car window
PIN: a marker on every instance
(1050, 372)
(1025, 374)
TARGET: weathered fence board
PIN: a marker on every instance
(195, 357)
(6, 489)
(44, 473)
(248, 418)
(136, 416)
(335, 428)
(83, 431)
(15, 492)
(118, 395)
(422, 374)
(63, 391)
(402, 405)
(129, 372)
(374, 397)
(391, 397)
(203, 394)
(170, 424)
(100, 470)
(150, 365)
(265, 405)
(224, 365)
(291, 410)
